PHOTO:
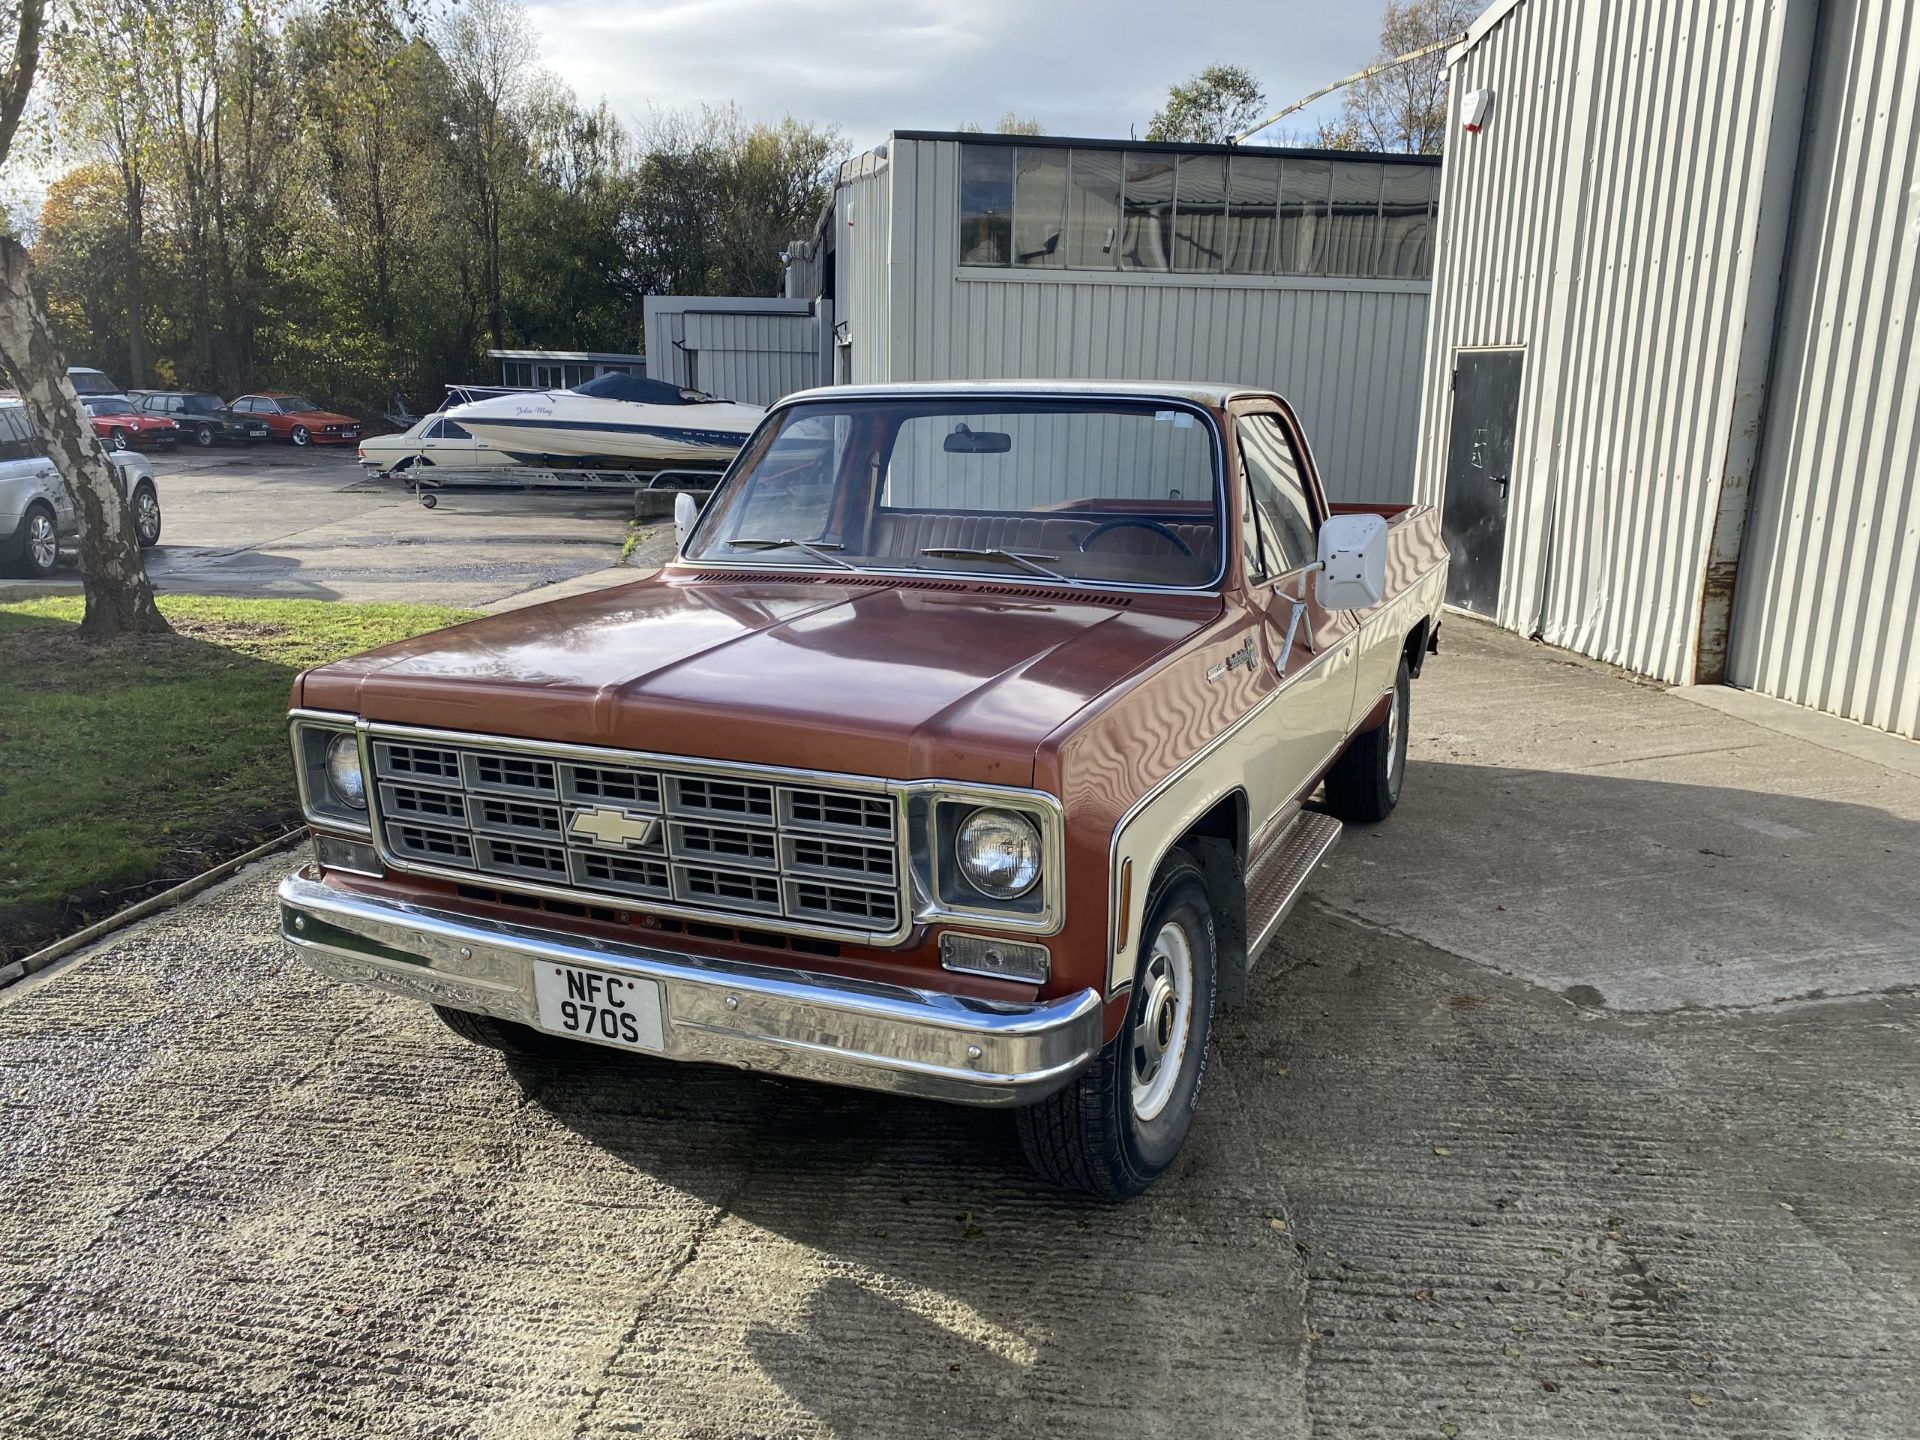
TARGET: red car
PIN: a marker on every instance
(121, 427)
(296, 418)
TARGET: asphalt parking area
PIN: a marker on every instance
(1581, 1099)
(270, 520)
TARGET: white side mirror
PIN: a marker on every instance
(1353, 561)
(686, 510)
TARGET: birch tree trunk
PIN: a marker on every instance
(119, 595)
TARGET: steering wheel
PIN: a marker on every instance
(1138, 523)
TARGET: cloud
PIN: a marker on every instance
(868, 67)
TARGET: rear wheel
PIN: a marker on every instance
(301, 435)
(146, 516)
(117, 440)
(1123, 1120)
(1364, 784)
(40, 542)
(203, 436)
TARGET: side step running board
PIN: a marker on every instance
(1281, 874)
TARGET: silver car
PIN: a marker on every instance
(37, 520)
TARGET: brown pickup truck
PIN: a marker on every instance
(969, 749)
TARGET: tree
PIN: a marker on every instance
(119, 597)
(489, 52)
(1404, 108)
(1211, 108)
(1008, 124)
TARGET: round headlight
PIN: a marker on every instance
(999, 853)
(343, 772)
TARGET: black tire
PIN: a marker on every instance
(510, 1038)
(301, 435)
(146, 516)
(1364, 784)
(1092, 1136)
(117, 440)
(39, 558)
(203, 436)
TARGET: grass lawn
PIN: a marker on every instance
(133, 765)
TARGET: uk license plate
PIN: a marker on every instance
(593, 1005)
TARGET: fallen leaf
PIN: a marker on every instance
(1423, 1293)
(1449, 1430)
(1512, 1352)
(1441, 1150)
(1786, 1207)
(1276, 1223)
(1699, 1400)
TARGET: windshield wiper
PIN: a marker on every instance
(1011, 557)
(817, 550)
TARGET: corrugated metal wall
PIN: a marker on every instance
(863, 279)
(1347, 353)
(749, 350)
(754, 359)
(1606, 220)
(1829, 597)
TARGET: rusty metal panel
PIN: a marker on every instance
(1829, 595)
(1613, 219)
(1346, 352)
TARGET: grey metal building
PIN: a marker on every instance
(1671, 386)
(962, 256)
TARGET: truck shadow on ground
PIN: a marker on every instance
(1405, 1166)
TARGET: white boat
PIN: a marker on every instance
(615, 420)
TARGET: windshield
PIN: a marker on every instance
(109, 407)
(1059, 491)
(294, 404)
(202, 405)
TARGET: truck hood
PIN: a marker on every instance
(912, 680)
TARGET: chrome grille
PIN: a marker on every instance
(692, 841)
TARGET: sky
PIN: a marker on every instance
(871, 66)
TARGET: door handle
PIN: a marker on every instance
(1501, 480)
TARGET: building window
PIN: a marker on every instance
(1040, 207)
(1200, 215)
(1093, 210)
(1253, 198)
(986, 204)
(1304, 188)
(1207, 213)
(1146, 207)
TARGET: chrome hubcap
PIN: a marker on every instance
(42, 542)
(147, 516)
(1164, 1020)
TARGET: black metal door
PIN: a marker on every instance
(1486, 409)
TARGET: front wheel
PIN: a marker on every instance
(117, 440)
(1364, 784)
(203, 436)
(301, 435)
(1121, 1123)
(40, 545)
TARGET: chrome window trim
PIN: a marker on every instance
(916, 908)
(346, 725)
(752, 561)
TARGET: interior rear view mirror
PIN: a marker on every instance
(1353, 561)
(977, 442)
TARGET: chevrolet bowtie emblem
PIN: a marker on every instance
(612, 828)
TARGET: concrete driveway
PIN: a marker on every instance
(1581, 1099)
(271, 520)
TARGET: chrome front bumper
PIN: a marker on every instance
(787, 1022)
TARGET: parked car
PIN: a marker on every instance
(296, 418)
(430, 440)
(88, 381)
(122, 426)
(37, 521)
(969, 750)
(202, 417)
